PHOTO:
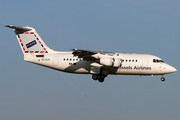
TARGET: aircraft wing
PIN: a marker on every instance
(87, 53)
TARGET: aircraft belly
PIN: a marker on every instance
(78, 67)
(95, 70)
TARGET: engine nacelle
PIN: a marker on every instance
(117, 62)
(108, 61)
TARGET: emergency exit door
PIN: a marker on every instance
(56, 60)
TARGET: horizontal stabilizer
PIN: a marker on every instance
(18, 28)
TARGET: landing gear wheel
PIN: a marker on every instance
(95, 77)
(163, 79)
(101, 79)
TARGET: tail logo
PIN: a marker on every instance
(31, 44)
(29, 40)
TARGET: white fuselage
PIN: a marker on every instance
(133, 64)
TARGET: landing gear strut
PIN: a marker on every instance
(100, 77)
(163, 79)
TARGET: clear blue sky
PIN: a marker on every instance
(32, 92)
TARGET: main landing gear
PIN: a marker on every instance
(162, 79)
(99, 77)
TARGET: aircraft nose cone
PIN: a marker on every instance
(173, 69)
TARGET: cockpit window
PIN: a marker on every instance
(162, 61)
(158, 61)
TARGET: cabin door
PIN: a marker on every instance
(145, 62)
(56, 60)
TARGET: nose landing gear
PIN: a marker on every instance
(162, 78)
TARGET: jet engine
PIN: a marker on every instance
(108, 61)
(117, 62)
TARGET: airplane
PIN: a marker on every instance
(97, 63)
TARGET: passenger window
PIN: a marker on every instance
(132, 60)
(129, 60)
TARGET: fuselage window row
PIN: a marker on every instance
(69, 59)
(129, 60)
(95, 60)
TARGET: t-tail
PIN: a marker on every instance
(33, 47)
(30, 41)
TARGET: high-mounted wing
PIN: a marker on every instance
(87, 53)
(103, 58)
